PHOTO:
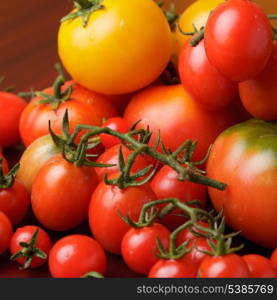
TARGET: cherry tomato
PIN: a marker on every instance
(120, 56)
(227, 266)
(187, 234)
(76, 255)
(202, 80)
(14, 202)
(172, 111)
(138, 247)
(259, 266)
(196, 255)
(172, 269)
(231, 25)
(11, 108)
(165, 184)
(105, 223)
(6, 231)
(117, 124)
(61, 193)
(273, 259)
(25, 234)
(245, 157)
(34, 156)
(84, 107)
(258, 94)
(110, 156)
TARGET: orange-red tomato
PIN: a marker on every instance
(6, 231)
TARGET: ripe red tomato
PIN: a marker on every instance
(187, 234)
(165, 184)
(138, 247)
(173, 269)
(202, 80)
(105, 223)
(172, 111)
(196, 255)
(25, 234)
(273, 259)
(259, 94)
(6, 231)
(11, 108)
(84, 107)
(259, 266)
(75, 255)
(117, 124)
(61, 193)
(238, 39)
(14, 202)
(110, 156)
(227, 266)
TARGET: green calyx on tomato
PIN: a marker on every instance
(93, 274)
(29, 250)
(83, 9)
(6, 181)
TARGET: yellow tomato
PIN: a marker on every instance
(197, 13)
(124, 46)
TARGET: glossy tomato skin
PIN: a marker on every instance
(110, 157)
(165, 184)
(245, 158)
(259, 266)
(84, 107)
(202, 80)
(105, 223)
(187, 234)
(273, 258)
(121, 56)
(11, 108)
(6, 231)
(75, 255)
(227, 266)
(173, 269)
(15, 202)
(117, 124)
(61, 193)
(259, 94)
(139, 248)
(170, 109)
(34, 156)
(242, 22)
(25, 234)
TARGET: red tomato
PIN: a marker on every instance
(259, 94)
(61, 193)
(84, 107)
(165, 184)
(273, 258)
(14, 202)
(259, 266)
(172, 269)
(202, 80)
(172, 111)
(196, 255)
(117, 124)
(110, 156)
(138, 247)
(11, 108)
(186, 234)
(25, 234)
(105, 223)
(75, 255)
(6, 231)
(227, 266)
(238, 39)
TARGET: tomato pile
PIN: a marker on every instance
(163, 147)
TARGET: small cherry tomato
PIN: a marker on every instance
(11, 108)
(117, 124)
(227, 266)
(30, 246)
(187, 234)
(232, 24)
(76, 255)
(139, 248)
(273, 258)
(105, 223)
(259, 266)
(6, 231)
